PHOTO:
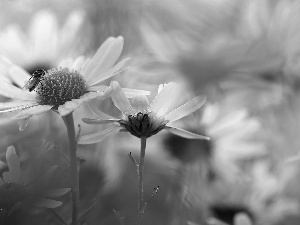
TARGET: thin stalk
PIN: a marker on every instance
(140, 171)
(69, 122)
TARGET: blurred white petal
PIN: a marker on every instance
(99, 136)
(43, 34)
(98, 112)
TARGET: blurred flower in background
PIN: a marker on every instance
(25, 190)
(45, 43)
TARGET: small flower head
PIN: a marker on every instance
(143, 124)
(59, 86)
(143, 119)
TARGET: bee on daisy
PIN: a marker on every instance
(64, 89)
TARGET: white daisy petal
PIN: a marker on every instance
(20, 105)
(99, 136)
(13, 162)
(119, 99)
(69, 107)
(186, 109)
(19, 76)
(130, 93)
(98, 112)
(121, 66)
(10, 91)
(185, 133)
(106, 45)
(98, 88)
(98, 95)
(34, 110)
(12, 112)
(99, 121)
(104, 59)
(164, 99)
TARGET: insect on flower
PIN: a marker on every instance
(35, 79)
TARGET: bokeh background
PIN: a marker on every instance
(243, 55)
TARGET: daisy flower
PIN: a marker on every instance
(44, 44)
(64, 89)
(144, 119)
(232, 133)
(24, 190)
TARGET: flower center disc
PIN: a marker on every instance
(58, 86)
(143, 124)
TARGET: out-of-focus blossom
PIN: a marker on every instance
(233, 137)
(25, 191)
(45, 43)
(272, 29)
(271, 197)
(64, 89)
(144, 119)
(201, 63)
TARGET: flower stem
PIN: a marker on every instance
(140, 171)
(69, 122)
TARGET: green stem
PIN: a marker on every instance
(69, 122)
(140, 171)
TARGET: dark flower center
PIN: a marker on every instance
(143, 124)
(58, 86)
(10, 194)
